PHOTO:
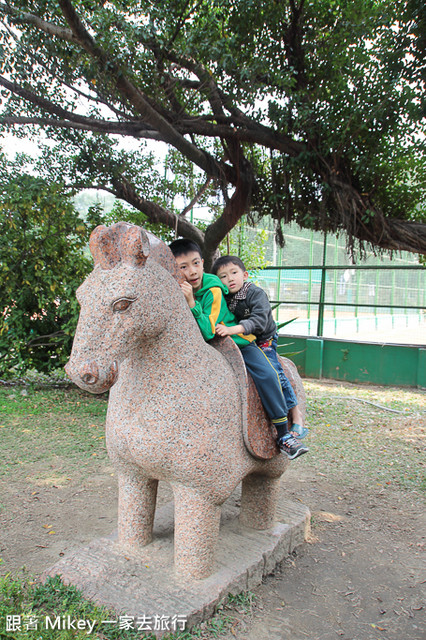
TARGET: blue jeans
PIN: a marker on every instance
(266, 376)
(271, 352)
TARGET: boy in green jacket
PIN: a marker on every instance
(205, 295)
(204, 292)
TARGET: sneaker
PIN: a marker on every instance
(291, 446)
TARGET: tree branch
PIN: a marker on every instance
(44, 104)
(234, 209)
(138, 129)
(97, 99)
(195, 198)
(259, 135)
(247, 131)
(123, 189)
(35, 342)
(393, 234)
(140, 102)
(206, 80)
(102, 126)
(29, 18)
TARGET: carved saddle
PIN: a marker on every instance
(258, 431)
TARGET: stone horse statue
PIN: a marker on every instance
(179, 410)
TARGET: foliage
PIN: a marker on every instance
(42, 261)
(251, 250)
(122, 213)
(307, 111)
(38, 379)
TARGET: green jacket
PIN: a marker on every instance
(211, 309)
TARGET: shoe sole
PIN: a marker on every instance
(298, 453)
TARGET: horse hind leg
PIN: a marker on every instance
(137, 497)
(259, 497)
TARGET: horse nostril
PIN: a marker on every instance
(88, 378)
(89, 373)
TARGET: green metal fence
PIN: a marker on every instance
(355, 323)
(365, 302)
(352, 323)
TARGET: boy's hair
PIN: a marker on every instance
(224, 260)
(183, 246)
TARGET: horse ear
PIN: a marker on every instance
(121, 242)
(103, 247)
(134, 246)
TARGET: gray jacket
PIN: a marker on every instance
(252, 310)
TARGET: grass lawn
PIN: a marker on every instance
(374, 432)
(51, 433)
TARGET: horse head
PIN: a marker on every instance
(128, 297)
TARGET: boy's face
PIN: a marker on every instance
(191, 265)
(232, 276)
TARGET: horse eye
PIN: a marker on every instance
(122, 304)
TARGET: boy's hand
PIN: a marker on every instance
(188, 293)
(223, 330)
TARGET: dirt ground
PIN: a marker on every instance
(359, 577)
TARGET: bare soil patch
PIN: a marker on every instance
(361, 575)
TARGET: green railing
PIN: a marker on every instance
(333, 289)
(386, 301)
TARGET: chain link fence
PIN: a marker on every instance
(314, 284)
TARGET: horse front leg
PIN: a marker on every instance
(197, 521)
(137, 497)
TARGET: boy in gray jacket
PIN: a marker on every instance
(251, 308)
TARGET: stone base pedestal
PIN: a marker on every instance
(145, 587)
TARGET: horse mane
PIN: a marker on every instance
(129, 244)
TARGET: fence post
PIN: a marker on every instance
(311, 261)
(320, 326)
(421, 369)
(280, 262)
(314, 356)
